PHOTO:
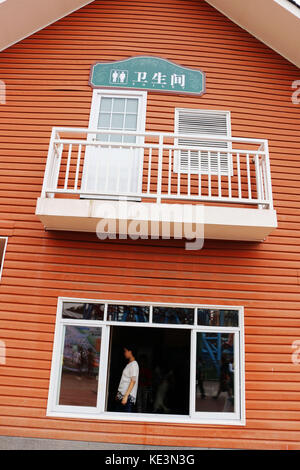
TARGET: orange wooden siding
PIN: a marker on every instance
(47, 85)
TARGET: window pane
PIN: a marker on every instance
(80, 366)
(215, 372)
(83, 311)
(212, 317)
(117, 121)
(130, 122)
(115, 138)
(105, 105)
(129, 139)
(125, 313)
(173, 315)
(119, 105)
(102, 137)
(104, 121)
(132, 106)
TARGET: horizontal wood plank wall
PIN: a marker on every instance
(47, 85)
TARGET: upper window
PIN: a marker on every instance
(188, 362)
(199, 123)
(117, 113)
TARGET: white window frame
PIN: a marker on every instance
(98, 412)
(106, 92)
(176, 131)
(3, 255)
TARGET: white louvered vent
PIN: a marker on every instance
(197, 122)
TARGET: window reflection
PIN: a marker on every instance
(80, 366)
(128, 313)
(215, 372)
(215, 317)
(83, 311)
(173, 315)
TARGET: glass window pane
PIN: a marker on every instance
(102, 137)
(117, 121)
(126, 313)
(119, 105)
(130, 122)
(173, 315)
(80, 366)
(115, 138)
(129, 139)
(83, 311)
(213, 317)
(105, 105)
(215, 372)
(132, 105)
(104, 121)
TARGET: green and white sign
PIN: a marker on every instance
(147, 73)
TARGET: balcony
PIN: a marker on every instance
(98, 181)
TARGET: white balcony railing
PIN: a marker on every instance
(156, 167)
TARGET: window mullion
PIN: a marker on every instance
(102, 379)
(193, 357)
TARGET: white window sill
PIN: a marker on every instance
(139, 417)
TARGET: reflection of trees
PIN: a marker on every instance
(80, 344)
(173, 315)
(211, 317)
(128, 313)
(83, 311)
(213, 346)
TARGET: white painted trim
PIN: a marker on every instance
(291, 7)
(242, 367)
(3, 255)
(141, 417)
(99, 412)
(193, 384)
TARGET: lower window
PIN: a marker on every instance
(144, 362)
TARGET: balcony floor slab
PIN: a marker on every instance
(147, 219)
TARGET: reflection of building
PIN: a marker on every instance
(70, 296)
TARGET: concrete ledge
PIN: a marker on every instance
(176, 220)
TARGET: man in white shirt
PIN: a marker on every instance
(128, 386)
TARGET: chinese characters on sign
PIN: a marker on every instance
(148, 73)
(158, 78)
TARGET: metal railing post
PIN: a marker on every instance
(268, 171)
(258, 181)
(49, 164)
(159, 173)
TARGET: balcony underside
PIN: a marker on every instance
(148, 219)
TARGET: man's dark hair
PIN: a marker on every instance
(132, 348)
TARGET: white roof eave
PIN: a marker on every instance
(274, 22)
(22, 18)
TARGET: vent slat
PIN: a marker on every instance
(196, 123)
